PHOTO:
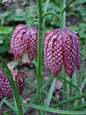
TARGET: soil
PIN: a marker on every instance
(29, 91)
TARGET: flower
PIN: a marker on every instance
(24, 38)
(5, 87)
(62, 47)
(19, 78)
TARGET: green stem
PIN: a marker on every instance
(39, 36)
(41, 90)
(33, 21)
(61, 8)
(14, 66)
(67, 87)
(63, 20)
(64, 14)
(52, 14)
(68, 5)
(64, 83)
(42, 49)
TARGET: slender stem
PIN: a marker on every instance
(33, 21)
(42, 49)
(54, 98)
(61, 7)
(14, 66)
(67, 88)
(41, 90)
(39, 36)
(64, 14)
(64, 89)
(41, 69)
(68, 5)
(52, 14)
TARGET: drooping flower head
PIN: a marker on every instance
(5, 87)
(62, 47)
(19, 78)
(24, 38)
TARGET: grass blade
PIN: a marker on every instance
(53, 110)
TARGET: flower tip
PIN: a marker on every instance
(46, 69)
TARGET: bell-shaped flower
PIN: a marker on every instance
(24, 38)
(19, 78)
(5, 87)
(62, 47)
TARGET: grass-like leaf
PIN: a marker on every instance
(70, 100)
(53, 110)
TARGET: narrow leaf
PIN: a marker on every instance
(52, 110)
(11, 106)
(50, 93)
(70, 100)
(67, 82)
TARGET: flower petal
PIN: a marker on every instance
(1, 95)
(33, 44)
(17, 29)
(78, 45)
(48, 36)
(5, 85)
(78, 61)
(67, 52)
(21, 43)
(57, 54)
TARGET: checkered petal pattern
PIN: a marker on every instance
(24, 38)
(19, 78)
(78, 61)
(33, 44)
(1, 95)
(62, 47)
(5, 87)
(16, 31)
(48, 36)
(77, 44)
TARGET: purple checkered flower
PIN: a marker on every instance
(62, 47)
(24, 38)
